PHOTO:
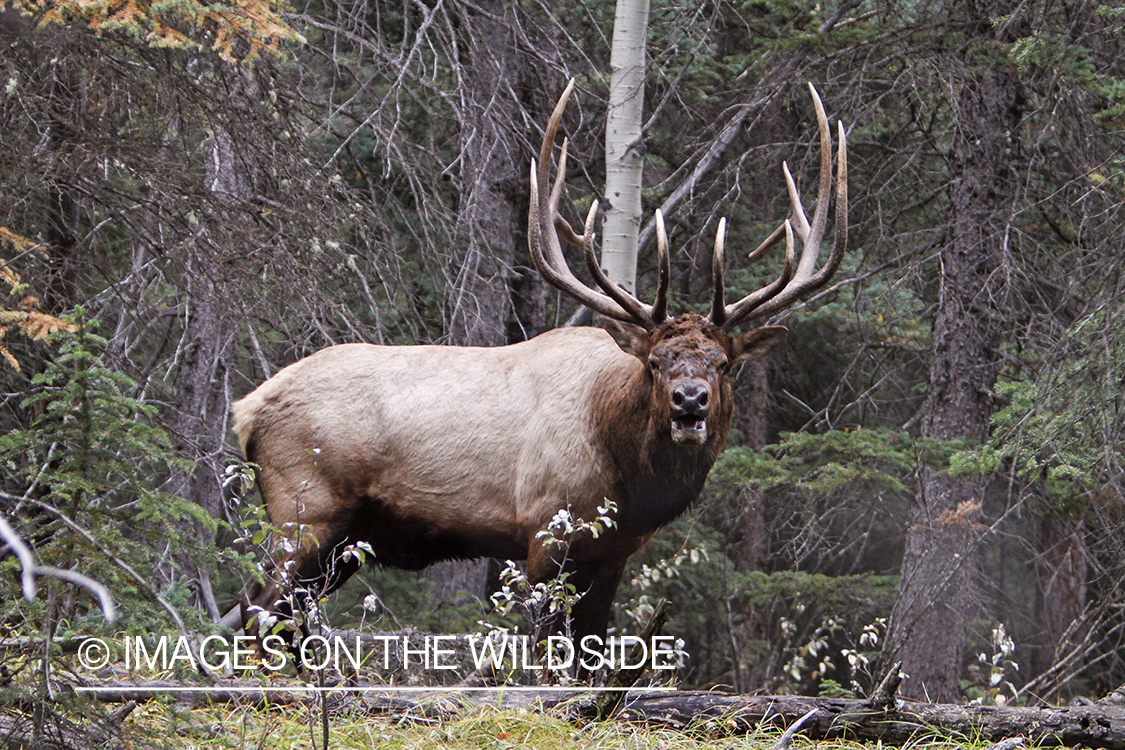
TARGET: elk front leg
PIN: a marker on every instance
(590, 614)
(595, 583)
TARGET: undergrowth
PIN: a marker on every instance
(473, 728)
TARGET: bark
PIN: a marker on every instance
(529, 298)
(624, 143)
(457, 582)
(208, 345)
(929, 621)
(60, 230)
(1061, 569)
(481, 305)
(481, 310)
(751, 548)
(753, 401)
(199, 421)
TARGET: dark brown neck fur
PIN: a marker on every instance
(657, 479)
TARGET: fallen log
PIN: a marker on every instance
(1095, 725)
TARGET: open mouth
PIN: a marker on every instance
(689, 428)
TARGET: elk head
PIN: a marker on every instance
(689, 357)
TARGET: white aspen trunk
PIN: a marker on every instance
(623, 145)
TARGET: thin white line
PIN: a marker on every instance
(375, 689)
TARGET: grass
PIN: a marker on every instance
(473, 728)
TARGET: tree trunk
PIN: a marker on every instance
(208, 351)
(60, 230)
(624, 143)
(481, 309)
(1061, 569)
(199, 421)
(481, 304)
(751, 549)
(928, 625)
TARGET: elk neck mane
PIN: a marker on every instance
(656, 479)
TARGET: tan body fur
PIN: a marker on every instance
(483, 443)
(430, 453)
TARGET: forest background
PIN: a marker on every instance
(193, 196)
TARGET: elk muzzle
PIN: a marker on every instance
(690, 407)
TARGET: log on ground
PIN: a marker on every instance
(1091, 726)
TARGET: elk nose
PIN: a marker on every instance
(690, 398)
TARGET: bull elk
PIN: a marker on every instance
(431, 453)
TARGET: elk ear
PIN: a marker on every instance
(632, 339)
(757, 342)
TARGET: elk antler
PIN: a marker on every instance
(546, 224)
(546, 228)
(793, 284)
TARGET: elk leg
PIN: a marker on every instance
(324, 573)
(596, 582)
(590, 614)
(318, 572)
(542, 567)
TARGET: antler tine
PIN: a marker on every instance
(811, 234)
(561, 224)
(544, 246)
(537, 238)
(805, 278)
(541, 233)
(800, 221)
(664, 271)
(638, 311)
(545, 223)
(804, 281)
(733, 314)
(718, 298)
(824, 193)
(548, 144)
(768, 242)
(556, 258)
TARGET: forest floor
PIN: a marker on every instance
(453, 719)
(479, 728)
